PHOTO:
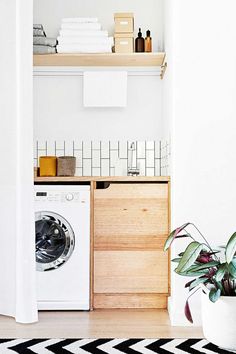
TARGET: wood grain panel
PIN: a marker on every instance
(131, 216)
(108, 59)
(119, 301)
(130, 272)
(130, 243)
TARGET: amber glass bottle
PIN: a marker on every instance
(148, 42)
(139, 43)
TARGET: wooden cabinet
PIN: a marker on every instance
(130, 227)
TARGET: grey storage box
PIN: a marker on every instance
(66, 166)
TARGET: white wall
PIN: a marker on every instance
(148, 14)
(59, 111)
(203, 123)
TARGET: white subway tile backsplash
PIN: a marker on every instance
(87, 150)
(141, 149)
(78, 145)
(50, 147)
(96, 145)
(41, 153)
(157, 167)
(113, 157)
(142, 166)
(121, 167)
(60, 152)
(105, 167)
(87, 167)
(60, 144)
(150, 172)
(114, 145)
(123, 149)
(69, 148)
(79, 161)
(41, 145)
(79, 172)
(157, 149)
(105, 149)
(150, 145)
(104, 158)
(112, 171)
(150, 160)
(96, 156)
(96, 171)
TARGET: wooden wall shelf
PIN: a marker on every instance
(102, 179)
(110, 59)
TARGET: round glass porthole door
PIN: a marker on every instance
(54, 241)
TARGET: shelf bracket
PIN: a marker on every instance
(163, 70)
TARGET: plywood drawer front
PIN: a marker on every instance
(130, 272)
(131, 216)
(119, 301)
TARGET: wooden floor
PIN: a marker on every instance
(99, 324)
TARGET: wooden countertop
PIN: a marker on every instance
(103, 179)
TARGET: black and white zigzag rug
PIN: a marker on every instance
(110, 346)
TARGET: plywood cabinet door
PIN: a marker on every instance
(130, 228)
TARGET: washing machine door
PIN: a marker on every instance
(54, 240)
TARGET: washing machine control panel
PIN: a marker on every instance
(57, 197)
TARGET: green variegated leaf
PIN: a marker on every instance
(214, 294)
(192, 274)
(169, 240)
(220, 286)
(173, 235)
(189, 257)
(230, 248)
(221, 272)
(232, 268)
(176, 260)
(206, 265)
(198, 282)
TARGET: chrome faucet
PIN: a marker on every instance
(133, 169)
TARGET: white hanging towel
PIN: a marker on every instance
(105, 89)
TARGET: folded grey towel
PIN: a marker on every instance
(39, 32)
(37, 26)
(51, 42)
(44, 49)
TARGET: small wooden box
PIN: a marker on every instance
(124, 23)
(124, 43)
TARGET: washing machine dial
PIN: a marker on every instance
(69, 197)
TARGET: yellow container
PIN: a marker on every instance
(124, 23)
(48, 166)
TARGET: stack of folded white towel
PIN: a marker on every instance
(83, 35)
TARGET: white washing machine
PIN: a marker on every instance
(62, 228)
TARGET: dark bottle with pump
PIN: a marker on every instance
(139, 43)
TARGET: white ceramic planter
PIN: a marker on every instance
(219, 320)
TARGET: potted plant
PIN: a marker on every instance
(214, 272)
